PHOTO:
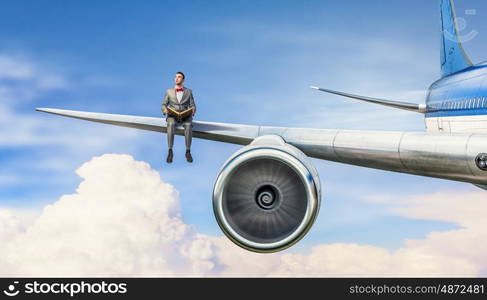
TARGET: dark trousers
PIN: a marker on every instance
(187, 124)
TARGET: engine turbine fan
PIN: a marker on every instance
(267, 195)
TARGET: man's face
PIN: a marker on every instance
(179, 79)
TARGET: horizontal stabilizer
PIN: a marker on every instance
(415, 107)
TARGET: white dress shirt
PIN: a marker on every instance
(179, 96)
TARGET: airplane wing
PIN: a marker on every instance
(223, 132)
(448, 156)
(419, 108)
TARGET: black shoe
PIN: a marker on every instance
(169, 156)
(189, 158)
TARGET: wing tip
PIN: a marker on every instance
(43, 109)
(52, 110)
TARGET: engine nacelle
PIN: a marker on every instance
(267, 195)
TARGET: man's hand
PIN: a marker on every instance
(165, 111)
(194, 111)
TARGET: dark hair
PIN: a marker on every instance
(182, 74)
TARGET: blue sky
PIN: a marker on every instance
(248, 62)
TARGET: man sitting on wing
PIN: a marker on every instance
(179, 99)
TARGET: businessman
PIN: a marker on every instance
(179, 98)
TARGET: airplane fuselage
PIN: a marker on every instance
(458, 103)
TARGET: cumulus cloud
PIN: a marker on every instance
(123, 220)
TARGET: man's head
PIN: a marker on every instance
(179, 79)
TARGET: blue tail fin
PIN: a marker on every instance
(453, 57)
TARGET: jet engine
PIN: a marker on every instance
(267, 195)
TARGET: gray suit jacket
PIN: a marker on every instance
(170, 100)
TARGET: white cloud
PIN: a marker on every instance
(14, 69)
(24, 80)
(123, 220)
(329, 58)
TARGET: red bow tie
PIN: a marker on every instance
(179, 89)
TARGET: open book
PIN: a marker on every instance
(179, 115)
